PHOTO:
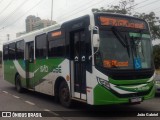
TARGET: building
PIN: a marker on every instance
(34, 23)
(42, 24)
(30, 21)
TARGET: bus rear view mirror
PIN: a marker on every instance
(96, 39)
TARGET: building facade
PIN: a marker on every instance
(35, 23)
(30, 21)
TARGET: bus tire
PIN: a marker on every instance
(64, 95)
(18, 84)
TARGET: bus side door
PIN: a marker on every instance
(30, 64)
(78, 66)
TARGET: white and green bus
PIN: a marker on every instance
(98, 59)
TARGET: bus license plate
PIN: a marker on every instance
(136, 99)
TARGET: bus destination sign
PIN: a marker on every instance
(122, 22)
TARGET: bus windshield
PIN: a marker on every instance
(124, 50)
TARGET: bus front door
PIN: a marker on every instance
(78, 65)
(30, 64)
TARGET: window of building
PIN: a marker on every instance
(11, 51)
(41, 46)
(5, 52)
(20, 49)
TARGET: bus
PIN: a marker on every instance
(99, 59)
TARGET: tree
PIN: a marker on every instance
(153, 24)
(126, 6)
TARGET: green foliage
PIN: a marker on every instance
(113, 9)
(153, 24)
(124, 7)
(156, 55)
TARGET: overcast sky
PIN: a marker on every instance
(12, 16)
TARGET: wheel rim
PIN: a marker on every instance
(64, 95)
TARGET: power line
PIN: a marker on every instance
(22, 15)
(12, 13)
(78, 7)
(85, 9)
(152, 9)
(6, 6)
(148, 4)
(157, 12)
(137, 4)
(1, 1)
(26, 13)
(109, 3)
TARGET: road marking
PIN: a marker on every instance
(46, 110)
(55, 114)
(29, 102)
(15, 96)
(5, 92)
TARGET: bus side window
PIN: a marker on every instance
(56, 44)
(31, 54)
(20, 49)
(56, 48)
(5, 52)
(11, 51)
(41, 46)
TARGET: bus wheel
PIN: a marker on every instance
(64, 95)
(18, 84)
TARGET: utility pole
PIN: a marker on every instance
(51, 11)
(8, 37)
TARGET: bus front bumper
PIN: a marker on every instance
(103, 96)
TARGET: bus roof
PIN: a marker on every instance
(31, 36)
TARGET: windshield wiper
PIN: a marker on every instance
(127, 46)
(118, 36)
(121, 39)
(141, 43)
(133, 47)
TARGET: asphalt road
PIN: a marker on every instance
(10, 100)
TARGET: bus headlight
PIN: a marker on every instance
(103, 83)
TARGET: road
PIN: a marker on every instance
(10, 100)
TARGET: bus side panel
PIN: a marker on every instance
(9, 71)
(46, 71)
(13, 67)
(23, 77)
